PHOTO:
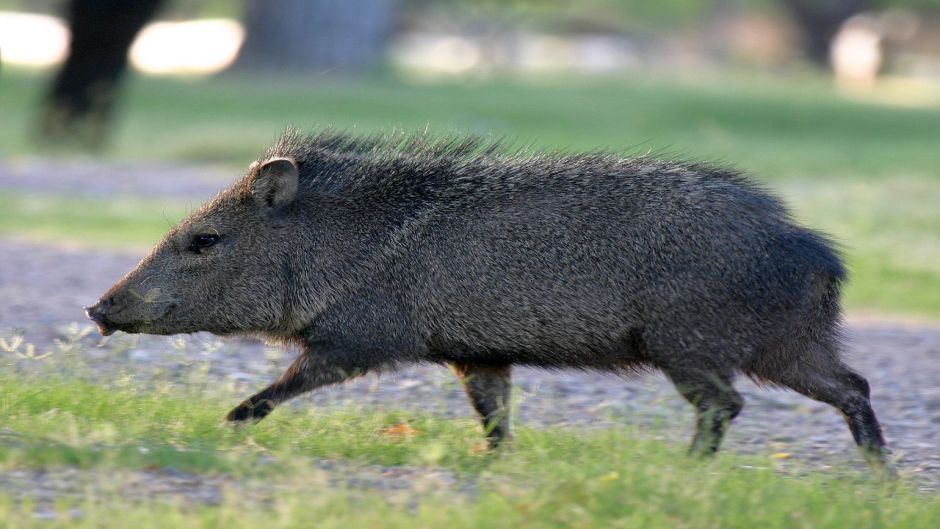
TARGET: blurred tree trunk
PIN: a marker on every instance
(819, 21)
(315, 35)
(81, 99)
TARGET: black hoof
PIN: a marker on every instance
(879, 460)
(493, 443)
(248, 411)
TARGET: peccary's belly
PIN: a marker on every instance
(624, 352)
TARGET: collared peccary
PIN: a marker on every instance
(381, 251)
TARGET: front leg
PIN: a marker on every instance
(311, 370)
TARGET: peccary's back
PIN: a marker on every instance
(582, 259)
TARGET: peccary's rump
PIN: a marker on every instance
(372, 252)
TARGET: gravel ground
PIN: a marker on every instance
(88, 178)
(43, 288)
(45, 488)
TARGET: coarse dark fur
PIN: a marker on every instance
(379, 251)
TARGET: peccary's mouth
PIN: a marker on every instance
(109, 328)
(107, 325)
(104, 327)
(98, 314)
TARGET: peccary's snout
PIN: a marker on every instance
(125, 308)
(98, 313)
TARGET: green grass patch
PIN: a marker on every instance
(889, 231)
(547, 478)
(128, 223)
(82, 424)
(796, 127)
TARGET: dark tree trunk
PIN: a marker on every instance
(315, 35)
(819, 21)
(79, 104)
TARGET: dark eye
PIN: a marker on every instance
(202, 241)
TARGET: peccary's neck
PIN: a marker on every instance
(336, 250)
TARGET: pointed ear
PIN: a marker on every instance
(275, 182)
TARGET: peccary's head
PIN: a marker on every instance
(220, 270)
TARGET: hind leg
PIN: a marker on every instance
(849, 393)
(489, 390)
(716, 403)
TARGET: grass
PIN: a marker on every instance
(125, 223)
(548, 478)
(890, 233)
(779, 129)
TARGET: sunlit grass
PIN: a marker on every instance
(118, 223)
(890, 234)
(550, 477)
(798, 127)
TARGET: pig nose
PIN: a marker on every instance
(99, 309)
(98, 313)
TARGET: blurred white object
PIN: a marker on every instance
(436, 54)
(856, 52)
(444, 54)
(198, 46)
(32, 40)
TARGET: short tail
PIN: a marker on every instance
(818, 250)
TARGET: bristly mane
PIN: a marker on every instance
(417, 162)
(390, 144)
(334, 159)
